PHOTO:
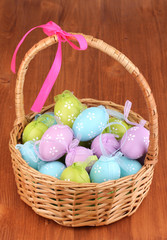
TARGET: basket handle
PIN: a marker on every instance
(151, 157)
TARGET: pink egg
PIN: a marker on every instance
(77, 154)
(135, 143)
(55, 142)
(109, 143)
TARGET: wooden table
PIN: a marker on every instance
(138, 29)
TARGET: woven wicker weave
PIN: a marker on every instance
(90, 204)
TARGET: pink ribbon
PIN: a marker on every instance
(50, 29)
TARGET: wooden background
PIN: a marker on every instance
(137, 28)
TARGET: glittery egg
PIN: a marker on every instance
(53, 169)
(34, 131)
(90, 123)
(108, 143)
(67, 108)
(134, 143)
(29, 155)
(128, 166)
(55, 142)
(117, 129)
(77, 154)
(47, 119)
(75, 173)
(105, 169)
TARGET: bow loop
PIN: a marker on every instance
(50, 29)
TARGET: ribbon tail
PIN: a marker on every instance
(49, 81)
(127, 108)
(13, 62)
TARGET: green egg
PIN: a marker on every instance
(67, 108)
(75, 173)
(33, 131)
(116, 128)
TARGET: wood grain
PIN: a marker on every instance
(138, 29)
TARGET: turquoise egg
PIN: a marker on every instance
(53, 169)
(46, 118)
(128, 166)
(40, 164)
(49, 113)
(105, 169)
(90, 123)
(29, 155)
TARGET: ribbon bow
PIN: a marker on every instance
(50, 29)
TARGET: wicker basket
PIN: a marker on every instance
(90, 204)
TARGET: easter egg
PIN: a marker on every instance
(38, 115)
(40, 164)
(117, 129)
(90, 123)
(29, 155)
(77, 154)
(108, 143)
(75, 173)
(67, 107)
(50, 113)
(47, 119)
(33, 131)
(105, 169)
(53, 169)
(134, 143)
(55, 142)
(128, 166)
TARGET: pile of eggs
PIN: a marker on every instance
(83, 145)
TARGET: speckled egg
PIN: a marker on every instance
(67, 108)
(90, 123)
(53, 169)
(105, 169)
(47, 119)
(128, 166)
(55, 142)
(117, 129)
(29, 155)
(75, 173)
(108, 143)
(77, 154)
(34, 131)
(135, 142)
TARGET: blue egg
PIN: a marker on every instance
(28, 154)
(49, 113)
(53, 169)
(128, 166)
(47, 118)
(105, 169)
(40, 164)
(90, 123)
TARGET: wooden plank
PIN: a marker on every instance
(136, 28)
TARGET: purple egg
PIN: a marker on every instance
(109, 143)
(55, 142)
(77, 154)
(134, 143)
